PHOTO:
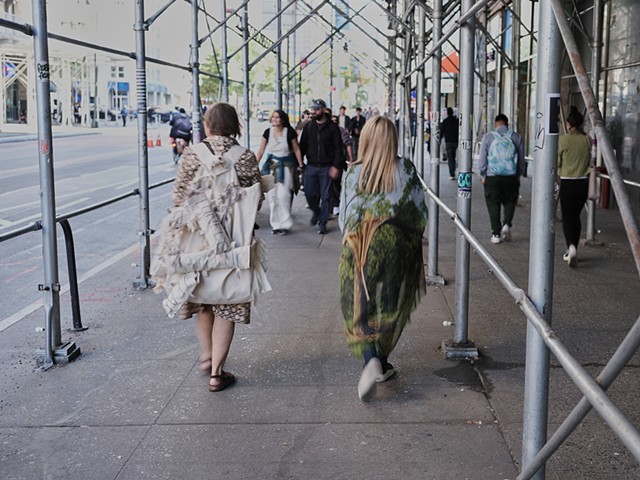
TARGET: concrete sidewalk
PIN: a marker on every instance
(133, 406)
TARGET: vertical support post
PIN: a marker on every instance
(51, 286)
(195, 73)
(54, 351)
(279, 57)
(515, 57)
(143, 154)
(287, 94)
(300, 91)
(461, 346)
(94, 124)
(596, 55)
(606, 39)
(402, 108)
(406, 97)
(294, 77)
(541, 251)
(331, 76)
(391, 6)
(433, 277)
(225, 57)
(485, 78)
(420, 90)
(245, 67)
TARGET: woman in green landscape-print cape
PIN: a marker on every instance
(382, 217)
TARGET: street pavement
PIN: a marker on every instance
(133, 406)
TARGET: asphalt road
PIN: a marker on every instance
(88, 170)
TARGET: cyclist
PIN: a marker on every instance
(181, 132)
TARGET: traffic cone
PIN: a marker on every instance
(158, 142)
(149, 143)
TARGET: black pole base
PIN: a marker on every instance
(435, 280)
(63, 354)
(140, 284)
(459, 351)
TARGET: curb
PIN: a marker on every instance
(30, 137)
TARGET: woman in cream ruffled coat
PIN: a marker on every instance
(205, 238)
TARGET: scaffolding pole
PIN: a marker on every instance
(143, 154)
(195, 73)
(542, 244)
(294, 79)
(245, 67)
(404, 127)
(596, 55)
(515, 64)
(622, 356)
(433, 277)
(461, 347)
(420, 90)
(331, 75)
(291, 30)
(392, 65)
(225, 58)
(279, 57)
(54, 351)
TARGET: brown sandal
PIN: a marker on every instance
(225, 378)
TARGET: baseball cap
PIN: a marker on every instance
(318, 104)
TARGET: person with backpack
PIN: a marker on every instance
(501, 166)
(283, 160)
(207, 260)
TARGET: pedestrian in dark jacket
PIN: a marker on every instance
(343, 119)
(449, 131)
(321, 144)
(357, 124)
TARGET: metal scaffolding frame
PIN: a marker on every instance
(554, 36)
(541, 340)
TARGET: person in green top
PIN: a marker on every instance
(574, 157)
(381, 273)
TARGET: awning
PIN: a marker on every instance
(122, 87)
(451, 63)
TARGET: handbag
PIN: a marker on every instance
(207, 253)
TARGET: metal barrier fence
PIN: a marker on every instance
(47, 359)
(541, 340)
(593, 390)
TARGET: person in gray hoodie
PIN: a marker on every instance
(501, 166)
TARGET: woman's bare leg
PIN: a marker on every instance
(204, 329)
(221, 337)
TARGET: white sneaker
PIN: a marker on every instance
(496, 239)
(336, 210)
(506, 233)
(368, 379)
(386, 375)
(571, 256)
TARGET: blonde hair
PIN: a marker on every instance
(378, 154)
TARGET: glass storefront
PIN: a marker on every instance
(623, 88)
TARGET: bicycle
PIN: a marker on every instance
(178, 145)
